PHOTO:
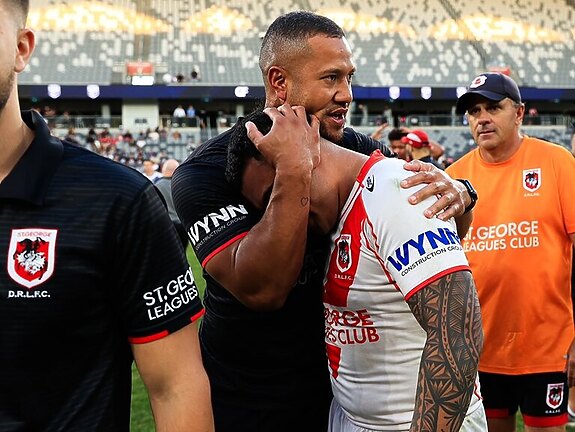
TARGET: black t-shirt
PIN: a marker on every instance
(265, 359)
(90, 263)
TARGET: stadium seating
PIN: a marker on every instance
(422, 42)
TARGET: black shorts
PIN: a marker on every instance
(542, 398)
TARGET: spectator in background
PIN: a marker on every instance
(377, 134)
(178, 115)
(396, 144)
(150, 170)
(533, 117)
(164, 185)
(263, 272)
(520, 251)
(388, 115)
(92, 278)
(191, 119)
(72, 136)
(195, 75)
(417, 147)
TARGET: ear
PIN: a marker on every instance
(277, 78)
(520, 114)
(26, 44)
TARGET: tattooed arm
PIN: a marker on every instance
(448, 310)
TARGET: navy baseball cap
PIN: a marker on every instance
(494, 86)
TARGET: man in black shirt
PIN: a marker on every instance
(93, 276)
(262, 335)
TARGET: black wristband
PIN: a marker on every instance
(472, 194)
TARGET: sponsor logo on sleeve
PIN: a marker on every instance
(213, 223)
(426, 245)
(165, 300)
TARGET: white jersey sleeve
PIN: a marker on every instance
(414, 250)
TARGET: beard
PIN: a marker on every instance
(6, 85)
(333, 135)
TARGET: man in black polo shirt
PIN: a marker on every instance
(262, 335)
(92, 277)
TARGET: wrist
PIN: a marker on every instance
(472, 194)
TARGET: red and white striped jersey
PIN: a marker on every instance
(382, 252)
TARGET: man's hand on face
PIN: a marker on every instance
(452, 195)
(292, 143)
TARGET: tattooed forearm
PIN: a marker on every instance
(448, 310)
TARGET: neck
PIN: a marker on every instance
(14, 140)
(341, 166)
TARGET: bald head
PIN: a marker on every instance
(169, 166)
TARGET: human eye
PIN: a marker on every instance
(473, 111)
(493, 107)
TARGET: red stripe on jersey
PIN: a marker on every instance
(334, 356)
(162, 334)
(198, 315)
(434, 278)
(222, 247)
(336, 289)
(150, 338)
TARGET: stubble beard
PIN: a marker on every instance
(6, 89)
(331, 135)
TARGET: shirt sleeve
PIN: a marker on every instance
(365, 144)
(213, 213)
(565, 167)
(156, 291)
(414, 250)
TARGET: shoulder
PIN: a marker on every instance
(92, 168)
(543, 145)
(461, 164)
(362, 143)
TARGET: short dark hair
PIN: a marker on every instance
(22, 6)
(241, 148)
(396, 134)
(291, 31)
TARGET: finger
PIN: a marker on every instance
(430, 189)
(314, 123)
(422, 177)
(299, 111)
(417, 166)
(273, 113)
(254, 134)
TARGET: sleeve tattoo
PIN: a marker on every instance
(449, 312)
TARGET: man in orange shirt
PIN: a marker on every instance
(520, 252)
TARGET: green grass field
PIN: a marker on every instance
(142, 420)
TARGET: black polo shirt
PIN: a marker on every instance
(270, 360)
(90, 263)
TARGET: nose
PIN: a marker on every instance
(483, 116)
(344, 93)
